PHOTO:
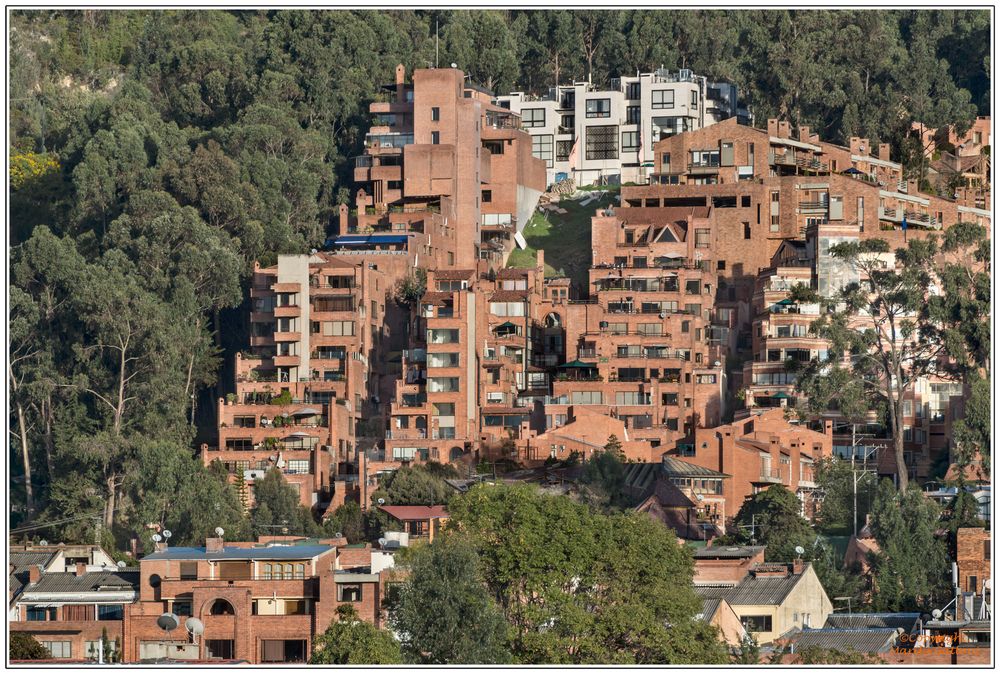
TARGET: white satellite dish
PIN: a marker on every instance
(121, 565)
(167, 533)
(219, 531)
(454, 65)
(157, 537)
(382, 542)
(194, 626)
(799, 550)
(381, 501)
(43, 542)
(936, 613)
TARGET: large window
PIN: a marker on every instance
(532, 117)
(602, 142)
(757, 623)
(663, 99)
(633, 114)
(586, 398)
(598, 107)
(630, 141)
(41, 613)
(349, 592)
(541, 148)
(110, 612)
(563, 148)
(59, 649)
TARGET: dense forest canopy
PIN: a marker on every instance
(157, 154)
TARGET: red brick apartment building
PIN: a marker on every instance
(447, 177)
(481, 349)
(316, 326)
(258, 603)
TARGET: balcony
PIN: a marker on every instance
(702, 168)
(769, 477)
(406, 434)
(821, 206)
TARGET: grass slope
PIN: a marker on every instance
(565, 238)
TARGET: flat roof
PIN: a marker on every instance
(231, 553)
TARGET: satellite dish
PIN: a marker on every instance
(194, 626)
(157, 537)
(382, 542)
(121, 565)
(43, 542)
(339, 534)
(168, 622)
(381, 501)
(799, 550)
(219, 531)
(936, 613)
(718, 363)
(167, 533)
(454, 65)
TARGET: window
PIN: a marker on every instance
(705, 379)
(181, 607)
(298, 467)
(599, 107)
(663, 99)
(532, 117)
(563, 148)
(757, 623)
(973, 584)
(630, 141)
(633, 90)
(633, 114)
(586, 398)
(435, 137)
(219, 649)
(41, 613)
(110, 612)
(487, 196)
(541, 148)
(349, 592)
(775, 223)
(694, 100)
(189, 570)
(59, 649)
(435, 114)
(602, 142)
(221, 607)
(702, 238)
(745, 201)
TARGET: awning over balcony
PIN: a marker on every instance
(364, 240)
(578, 364)
(306, 412)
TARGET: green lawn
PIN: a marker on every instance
(564, 238)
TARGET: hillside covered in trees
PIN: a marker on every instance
(157, 155)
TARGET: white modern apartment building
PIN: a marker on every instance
(596, 135)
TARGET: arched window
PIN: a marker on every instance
(288, 571)
(300, 571)
(221, 607)
(267, 572)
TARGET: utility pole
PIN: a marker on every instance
(857, 473)
(437, 28)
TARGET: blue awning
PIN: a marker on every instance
(366, 239)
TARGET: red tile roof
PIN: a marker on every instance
(411, 513)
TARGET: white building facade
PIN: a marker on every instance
(607, 136)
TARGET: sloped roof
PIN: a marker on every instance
(453, 274)
(866, 640)
(907, 621)
(753, 591)
(674, 467)
(22, 562)
(93, 581)
(411, 513)
(709, 607)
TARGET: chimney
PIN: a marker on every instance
(81, 568)
(34, 573)
(804, 134)
(540, 261)
(772, 127)
(400, 75)
(797, 566)
(784, 129)
(342, 209)
(911, 187)
(213, 545)
(883, 151)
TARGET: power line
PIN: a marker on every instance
(53, 523)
